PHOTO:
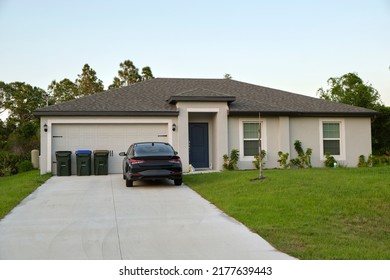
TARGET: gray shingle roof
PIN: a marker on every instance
(158, 97)
(202, 95)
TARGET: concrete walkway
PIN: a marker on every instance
(97, 217)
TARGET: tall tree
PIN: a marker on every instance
(350, 89)
(21, 99)
(88, 83)
(20, 131)
(62, 91)
(116, 83)
(128, 75)
(147, 73)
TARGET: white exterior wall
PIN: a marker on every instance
(358, 139)
(272, 139)
(281, 132)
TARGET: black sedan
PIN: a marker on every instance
(151, 161)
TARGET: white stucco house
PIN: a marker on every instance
(204, 119)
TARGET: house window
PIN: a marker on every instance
(251, 138)
(331, 138)
(248, 133)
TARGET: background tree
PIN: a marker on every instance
(380, 128)
(116, 83)
(128, 75)
(350, 89)
(24, 138)
(147, 73)
(227, 76)
(88, 83)
(62, 91)
(21, 129)
(21, 99)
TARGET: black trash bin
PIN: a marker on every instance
(100, 158)
(83, 159)
(64, 163)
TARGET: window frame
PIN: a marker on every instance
(241, 136)
(341, 138)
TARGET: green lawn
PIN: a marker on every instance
(341, 213)
(13, 189)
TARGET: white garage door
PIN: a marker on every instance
(113, 137)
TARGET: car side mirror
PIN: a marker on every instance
(122, 154)
(176, 153)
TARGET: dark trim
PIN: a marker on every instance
(175, 98)
(104, 113)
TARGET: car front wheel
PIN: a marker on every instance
(129, 183)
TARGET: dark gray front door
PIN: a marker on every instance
(199, 145)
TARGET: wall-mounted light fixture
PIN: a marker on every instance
(174, 127)
(45, 127)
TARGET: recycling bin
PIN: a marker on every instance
(100, 159)
(64, 163)
(83, 160)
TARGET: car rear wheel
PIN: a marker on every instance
(178, 182)
(129, 183)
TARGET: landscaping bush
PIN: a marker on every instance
(24, 166)
(283, 160)
(330, 160)
(383, 160)
(8, 163)
(304, 158)
(231, 163)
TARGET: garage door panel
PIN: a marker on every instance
(113, 137)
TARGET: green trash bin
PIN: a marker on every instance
(83, 159)
(100, 158)
(64, 163)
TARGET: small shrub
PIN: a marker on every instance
(382, 160)
(231, 163)
(330, 160)
(296, 162)
(304, 158)
(364, 163)
(283, 160)
(8, 163)
(258, 158)
(25, 165)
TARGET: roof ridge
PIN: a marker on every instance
(203, 89)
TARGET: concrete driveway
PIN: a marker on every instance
(97, 217)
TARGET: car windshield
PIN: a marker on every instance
(153, 149)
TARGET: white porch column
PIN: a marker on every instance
(221, 138)
(182, 139)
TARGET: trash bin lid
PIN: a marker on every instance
(102, 152)
(78, 152)
(63, 153)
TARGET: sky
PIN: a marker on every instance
(289, 45)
